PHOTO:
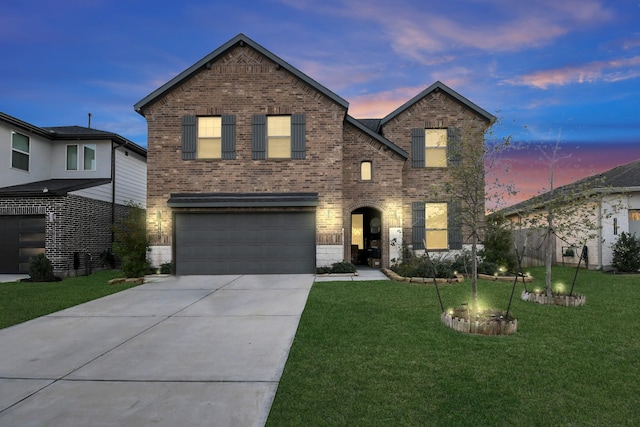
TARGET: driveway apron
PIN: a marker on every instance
(176, 351)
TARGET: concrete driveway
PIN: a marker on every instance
(187, 351)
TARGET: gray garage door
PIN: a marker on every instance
(245, 243)
(21, 238)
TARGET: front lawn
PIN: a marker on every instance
(377, 354)
(22, 301)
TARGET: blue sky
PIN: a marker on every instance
(547, 68)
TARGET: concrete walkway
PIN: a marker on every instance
(187, 351)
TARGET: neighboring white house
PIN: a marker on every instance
(61, 191)
(615, 210)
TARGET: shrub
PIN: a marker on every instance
(337, 267)
(425, 267)
(41, 269)
(166, 268)
(486, 267)
(626, 253)
(107, 259)
(132, 242)
(498, 245)
(343, 267)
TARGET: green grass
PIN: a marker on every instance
(376, 354)
(22, 301)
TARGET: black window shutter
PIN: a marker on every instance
(229, 137)
(189, 137)
(259, 137)
(454, 225)
(454, 146)
(418, 227)
(417, 147)
(298, 136)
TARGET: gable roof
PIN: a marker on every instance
(57, 133)
(616, 180)
(241, 40)
(381, 139)
(436, 87)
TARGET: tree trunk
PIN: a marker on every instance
(549, 242)
(474, 272)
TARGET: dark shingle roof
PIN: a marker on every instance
(373, 124)
(384, 141)
(87, 134)
(73, 132)
(439, 86)
(616, 180)
(51, 187)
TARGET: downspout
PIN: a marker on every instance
(113, 190)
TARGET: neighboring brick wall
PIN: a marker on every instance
(72, 224)
(436, 110)
(244, 83)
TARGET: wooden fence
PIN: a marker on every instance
(531, 245)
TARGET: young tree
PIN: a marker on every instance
(567, 213)
(132, 242)
(471, 162)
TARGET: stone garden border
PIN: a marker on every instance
(395, 276)
(491, 327)
(562, 300)
(504, 278)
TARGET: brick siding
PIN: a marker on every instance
(72, 224)
(244, 83)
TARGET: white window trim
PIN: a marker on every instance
(80, 157)
(28, 154)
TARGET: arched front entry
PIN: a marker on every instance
(366, 237)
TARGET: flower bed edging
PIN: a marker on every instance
(395, 276)
(493, 327)
(504, 278)
(562, 300)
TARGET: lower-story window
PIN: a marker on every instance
(435, 215)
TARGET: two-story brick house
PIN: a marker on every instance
(254, 167)
(61, 191)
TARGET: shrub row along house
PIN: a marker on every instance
(254, 167)
(61, 190)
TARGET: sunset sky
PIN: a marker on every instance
(551, 70)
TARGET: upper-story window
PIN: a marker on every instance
(435, 148)
(209, 138)
(365, 171)
(20, 151)
(279, 137)
(81, 157)
(435, 143)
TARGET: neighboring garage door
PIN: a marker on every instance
(21, 238)
(245, 243)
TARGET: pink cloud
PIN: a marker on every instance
(609, 71)
(530, 174)
(378, 105)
